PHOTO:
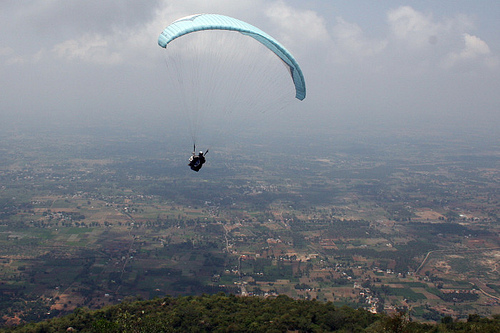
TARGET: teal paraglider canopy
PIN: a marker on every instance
(201, 22)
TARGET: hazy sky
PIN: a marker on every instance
(387, 61)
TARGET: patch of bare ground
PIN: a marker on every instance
(442, 266)
(428, 215)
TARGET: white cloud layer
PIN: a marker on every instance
(474, 49)
(89, 48)
(303, 31)
(349, 59)
(297, 27)
(413, 28)
(350, 42)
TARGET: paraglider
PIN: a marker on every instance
(195, 83)
(197, 161)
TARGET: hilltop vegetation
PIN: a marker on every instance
(228, 313)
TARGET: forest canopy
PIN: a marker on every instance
(221, 312)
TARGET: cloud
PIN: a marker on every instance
(125, 43)
(351, 43)
(297, 27)
(13, 58)
(308, 32)
(413, 27)
(5, 51)
(474, 46)
(473, 49)
(419, 31)
(98, 36)
(89, 48)
(441, 44)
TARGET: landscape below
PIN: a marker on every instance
(386, 223)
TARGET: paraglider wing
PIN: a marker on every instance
(201, 22)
